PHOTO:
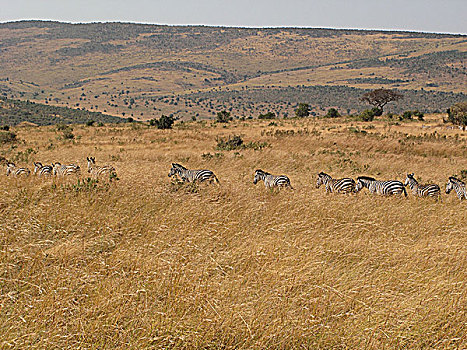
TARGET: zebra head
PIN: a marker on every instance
(9, 168)
(175, 169)
(449, 186)
(359, 185)
(259, 175)
(55, 167)
(322, 179)
(410, 180)
(91, 162)
(37, 167)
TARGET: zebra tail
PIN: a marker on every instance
(216, 180)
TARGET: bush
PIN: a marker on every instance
(68, 134)
(233, 142)
(130, 120)
(378, 112)
(409, 115)
(268, 115)
(7, 137)
(90, 123)
(457, 114)
(164, 122)
(303, 110)
(366, 116)
(332, 113)
(5, 127)
(223, 117)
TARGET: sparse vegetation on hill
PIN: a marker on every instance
(103, 66)
(13, 112)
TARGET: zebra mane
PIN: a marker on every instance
(10, 164)
(262, 172)
(453, 179)
(176, 165)
(369, 178)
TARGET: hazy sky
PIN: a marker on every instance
(414, 15)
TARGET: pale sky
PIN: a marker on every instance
(443, 16)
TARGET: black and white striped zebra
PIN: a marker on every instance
(188, 175)
(96, 170)
(458, 186)
(422, 190)
(64, 170)
(15, 171)
(42, 170)
(382, 188)
(271, 181)
(345, 185)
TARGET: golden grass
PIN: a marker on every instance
(142, 263)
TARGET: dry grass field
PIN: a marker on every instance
(147, 263)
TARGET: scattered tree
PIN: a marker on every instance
(164, 122)
(457, 114)
(332, 113)
(381, 97)
(268, 115)
(303, 110)
(223, 117)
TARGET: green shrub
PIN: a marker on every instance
(232, 142)
(366, 116)
(332, 113)
(68, 134)
(90, 123)
(164, 122)
(223, 117)
(268, 115)
(7, 137)
(5, 127)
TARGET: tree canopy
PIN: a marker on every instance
(381, 97)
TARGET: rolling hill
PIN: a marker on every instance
(144, 70)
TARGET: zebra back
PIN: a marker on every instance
(272, 180)
(64, 170)
(422, 190)
(344, 185)
(12, 169)
(188, 175)
(42, 170)
(96, 170)
(382, 188)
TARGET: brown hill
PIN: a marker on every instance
(146, 70)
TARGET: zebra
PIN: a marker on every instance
(96, 170)
(271, 181)
(63, 170)
(382, 188)
(12, 169)
(42, 170)
(458, 186)
(345, 185)
(427, 190)
(188, 175)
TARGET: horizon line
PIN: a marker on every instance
(228, 26)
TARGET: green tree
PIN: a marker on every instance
(332, 113)
(223, 117)
(457, 114)
(381, 97)
(303, 110)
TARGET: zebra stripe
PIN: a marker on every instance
(272, 180)
(64, 170)
(382, 188)
(96, 170)
(458, 186)
(12, 169)
(188, 175)
(345, 185)
(426, 190)
(42, 170)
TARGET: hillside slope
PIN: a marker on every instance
(145, 70)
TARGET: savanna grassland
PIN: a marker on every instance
(143, 262)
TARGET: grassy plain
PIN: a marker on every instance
(144, 263)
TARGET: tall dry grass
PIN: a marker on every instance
(143, 263)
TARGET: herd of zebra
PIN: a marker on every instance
(345, 185)
(59, 169)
